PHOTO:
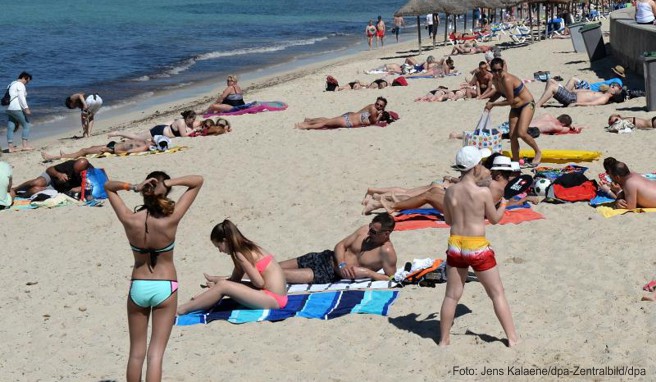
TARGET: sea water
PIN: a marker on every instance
(138, 53)
(128, 51)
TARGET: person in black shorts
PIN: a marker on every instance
(359, 255)
(65, 177)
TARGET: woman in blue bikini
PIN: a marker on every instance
(267, 288)
(151, 233)
(368, 115)
(522, 108)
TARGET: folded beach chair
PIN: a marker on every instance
(521, 34)
(486, 37)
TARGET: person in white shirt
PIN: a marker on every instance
(18, 112)
(429, 25)
(89, 104)
(645, 11)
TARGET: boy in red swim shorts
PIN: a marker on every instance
(466, 206)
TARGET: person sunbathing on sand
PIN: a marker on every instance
(545, 123)
(180, 127)
(126, 147)
(468, 48)
(65, 177)
(411, 66)
(580, 97)
(442, 94)
(209, 127)
(379, 83)
(368, 115)
(639, 123)
(431, 195)
(359, 255)
(266, 288)
(466, 205)
(482, 78)
(637, 191)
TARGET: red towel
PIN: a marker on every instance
(583, 192)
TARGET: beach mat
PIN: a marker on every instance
(412, 221)
(251, 108)
(174, 149)
(322, 306)
(60, 200)
(609, 212)
(357, 284)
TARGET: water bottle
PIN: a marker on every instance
(88, 191)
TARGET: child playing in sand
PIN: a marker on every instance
(466, 205)
(267, 288)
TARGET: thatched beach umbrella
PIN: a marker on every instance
(422, 7)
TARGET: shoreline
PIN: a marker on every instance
(167, 104)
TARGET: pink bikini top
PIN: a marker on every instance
(263, 263)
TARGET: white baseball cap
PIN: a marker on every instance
(502, 163)
(469, 156)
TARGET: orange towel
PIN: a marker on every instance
(417, 221)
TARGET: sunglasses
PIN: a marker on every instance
(373, 232)
(496, 70)
(380, 104)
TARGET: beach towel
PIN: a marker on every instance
(59, 200)
(251, 108)
(376, 71)
(601, 198)
(322, 306)
(150, 152)
(609, 212)
(357, 284)
(516, 215)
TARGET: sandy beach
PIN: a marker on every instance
(573, 280)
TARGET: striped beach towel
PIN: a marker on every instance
(322, 306)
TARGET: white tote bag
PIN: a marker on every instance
(484, 135)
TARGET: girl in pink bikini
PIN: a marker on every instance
(267, 288)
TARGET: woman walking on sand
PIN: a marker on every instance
(522, 108)
(151, 233)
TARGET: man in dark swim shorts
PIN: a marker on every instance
(359, 255)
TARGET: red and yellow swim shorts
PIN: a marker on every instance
(470, 251)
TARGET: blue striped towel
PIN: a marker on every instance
(323, 306)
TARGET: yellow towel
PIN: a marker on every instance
(609, 212)
(150, 152)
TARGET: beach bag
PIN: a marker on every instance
(6, 99)
(93, 184)
(434, 274)
(483, 136)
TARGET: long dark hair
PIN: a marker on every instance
(235, 242)
(157, 205)
(188, 113)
